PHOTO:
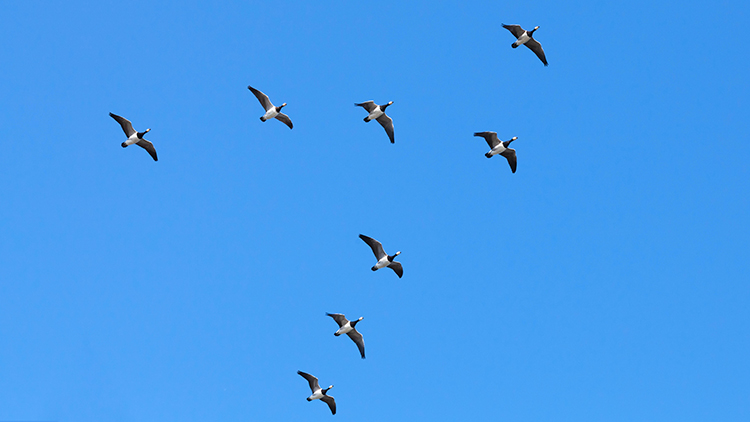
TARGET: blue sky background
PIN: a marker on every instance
(606, 280)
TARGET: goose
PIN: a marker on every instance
(526, 38)
(499, 147)
(135, 137)
(384, 260)
(271, 110)
(347, 327)
(318, 393)
(377, 112)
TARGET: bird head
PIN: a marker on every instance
(361, 318)
(283, 105)
(326, 390)
(512, 139)
(397, 253)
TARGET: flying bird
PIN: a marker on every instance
(347, 327)
(377, 112)
(135, 137)
(271, 110)
(384, 260)
(498, 147)
(318, 393)
(526, 38)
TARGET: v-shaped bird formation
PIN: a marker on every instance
(378, 113)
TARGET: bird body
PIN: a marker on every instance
(377, 112)
(347, 327)
(384, 260)
(319, 393)
(526, 38)
(272, 111)
(500, 148)
(134, 137)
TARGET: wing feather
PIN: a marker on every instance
(387, 124)
(537, 49)
(339, 318)
(377, 247)
(284, 119)
(127, 127)
(263, 98)
(148, 146)
(311, 380)
(367, 105)
(358, 340)
(490, 137)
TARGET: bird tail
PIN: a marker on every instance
(262, 119)
(123, 144)
(367, 119)
(373, 268)
(514, 45)
(488, 155)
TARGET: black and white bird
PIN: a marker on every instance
(347, 327)
(318, 393)
(135, 137)
(384, 260)
(271, 110)
(498, 147)
(377, 112)
(526, 38)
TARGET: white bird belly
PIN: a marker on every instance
(270, 114)
(522, 39)
(497, 150)
(375, 114)
(345, 329)
(318, 394)
(384, 262)
(132, 140)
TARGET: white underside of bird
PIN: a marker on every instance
(522, 39)
(382, 263)
(499, 149)
(344, 329)
(270, 114)
(316, 395)
(375, 114)
(132, 139)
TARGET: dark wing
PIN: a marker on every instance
(537, 49)
(397, 268)
(339, 318)
(127, 127)
(368, 105)
(148, 146)
(284, 119)
(330, 402)
(387, 124)
(310, 379)
(490, 137)
(358, 340)
(510, 154)
(516, 30)
(263, 98)
(377, 247)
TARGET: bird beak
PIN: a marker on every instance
(283, 105)
(536, 27)
(390, 102)
(147, 130)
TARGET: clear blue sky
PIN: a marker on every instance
(607, 280)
